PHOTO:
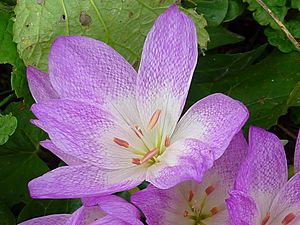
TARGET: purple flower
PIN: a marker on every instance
(115, 127)
(263, 195)
(95, 211)
(193, 203)
(297, 155)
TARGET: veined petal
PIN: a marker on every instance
(162, 207)
(40, 85)
(287, 202)
(111, 220)
(85, 132)
(83, 68)
(168, 61)
(297, 155)
(84, 181)
(212, 120)
(86, 215)
(67, 158)
(264, 171)
(184, 160)
(59, 219)
(242, 209)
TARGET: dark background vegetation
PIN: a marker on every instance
(248, 57)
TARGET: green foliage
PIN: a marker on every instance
(37, 208)
(19, 160)
(6, 216)
(9, 54)
(8, 125)
(265, 87)
(122, 24)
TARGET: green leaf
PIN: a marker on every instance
(37, 208)
(6, 216)
(19, 161)
(264, 88)
(295, 4)
(214, 11)
(235, 9)
(8, 125)
(9, 54)
(220, 36)
(122, 24)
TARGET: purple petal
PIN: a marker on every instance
(86, 215)
(88, 70)
(121, 209)
(242, 209)
(297, 155)
(264, 171)
(168, 61)
(84, 131)
(111, 220)
(162, 207)
(40, 85)
(67, 158)
(84, 181)
(287, 202)
(183, 160)
(213, 120)
(48, 220)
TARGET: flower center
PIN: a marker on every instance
(150, 136)
(197, 210)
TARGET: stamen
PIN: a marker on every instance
(209, 190)
(154, 119)
(289, 218)
(266, 219)
(121, 142)
(167, 141)
(138, 131)
(214, 211)
(186, 213)
(191, 195)
(146, 157)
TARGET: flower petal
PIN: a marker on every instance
(183, 160)
(84, 181)
(242, 209)
(40, 85)
(287, 201)
(67, 158)
(84, 131)
(213, 120)
(110, 220)
(59, 219)
(264, 171)
(121, 209)
(86, 215)
(168, 61)
(297, 155)
(85, 69)
(162, 207)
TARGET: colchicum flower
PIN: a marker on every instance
(95, 211)
(115, 127)
(191, 203)
(263, 195)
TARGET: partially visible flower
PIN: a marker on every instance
(95, 211)
(263, 195)
(297, 155)
(193, 203)
(116, 128)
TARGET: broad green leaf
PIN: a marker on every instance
(235, 8)
(9, 54)
(8, 125)
(19, 161)
(6, 216)
(37, 208)
(122, 24)
(294, 98)
(295, 4)
(214, 11)
(264, 88)
(220, 36)
(214, 67)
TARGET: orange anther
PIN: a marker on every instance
(149, 155)
(138, 131)
(121, 142)
(185, 213)
(214, 211)
(289, 218)
(136, 161)
(266, 219)
(191, 195)
(154, 119)
(209, 190)
(167, 141)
